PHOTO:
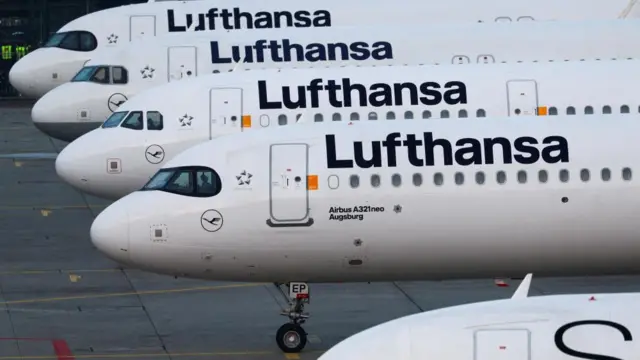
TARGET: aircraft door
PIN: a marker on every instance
(225, 111)
(288, 193)
(522, 97)
(182, 62)
(141, 27)
(502, 344)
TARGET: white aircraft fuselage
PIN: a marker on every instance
(391, 200)
(553, 327)
(78, 41)
(114, 76)
(129, 148)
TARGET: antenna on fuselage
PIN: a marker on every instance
(522, 291)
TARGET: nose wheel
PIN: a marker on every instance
(291, 337)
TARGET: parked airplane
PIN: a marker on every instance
(111, 78)
(389, 201)
(155, 125)
(552, 327)
(75, 43)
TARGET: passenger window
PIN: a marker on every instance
(133, 121)
(181, 183)
(501, 177)
(354, 116)
(588, 110)
(396, 180)
(543, 176)
(481, 113)
(462, 113)
(375, 180)
(354, 181)
(426, 114)
(336, 117)
(480, 178)
(373, 116)
(626, 174)
(584, 175)
(408, 115)
(154, 120)
(553, 110)
(606, 109)
(605, 174)
(624, 109)
(522, 176)
(417, 179)
(317, 118)
(571, 110)
(459, 178)
(282, 119)
(120, 75)
(564, 175)
(207, 185)
(391, 115)
(101, 75)
(438, 179)
(114, 120)
(444, 114)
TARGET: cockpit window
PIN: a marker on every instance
(114, 120)
(73, 40)
(193, 181)
(85, 73)
(101, 75)
(133, 121)
(154, 120)
(120, 75)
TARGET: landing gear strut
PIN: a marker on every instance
(291, 337)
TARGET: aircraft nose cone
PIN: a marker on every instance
(44, 116)
(71, 169)
(21, 79)
(110, 232)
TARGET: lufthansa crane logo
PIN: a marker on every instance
(115, 101)
(211, 220)
(154, 154)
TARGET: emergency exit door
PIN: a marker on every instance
(142, 27)
(499, 344)
(182, 62)
(522, 97)
(225, 111)
(288, 195)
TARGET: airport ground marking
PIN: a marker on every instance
(131, 293)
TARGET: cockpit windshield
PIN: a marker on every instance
(73, 40)
(102, 74)
(193, 181)
(114, 120)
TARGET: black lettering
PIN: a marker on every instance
(474, 150)
(390, 143)
(413, 93)
(431, 96)
(488, 149)
(525, 145)
(333, 89)
(278, 16)
(215, 55)
(332, 157)
(263, 96)
(559, 341)
(322, 19)
(376, 156)
(381, 50)
(287, 99)
(559, 144)
(455, 95)
(429, 150)
(380, 95)
(171, 17)
(411, 143)
(347, 88)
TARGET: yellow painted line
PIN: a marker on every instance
(133, 293)
(45, 212)
(291, 356)
(17, 163)
(74, 278)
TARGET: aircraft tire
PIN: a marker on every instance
(291, 338)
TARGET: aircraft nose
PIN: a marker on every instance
(21, 78)
(110, 232)
(45, 115)
(72, 168)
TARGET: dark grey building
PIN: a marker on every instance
(26, 24)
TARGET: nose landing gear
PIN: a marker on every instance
(291, 337)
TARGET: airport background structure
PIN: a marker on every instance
(27, 24)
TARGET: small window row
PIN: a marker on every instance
(196, 181)
(481, 177)
(589, 110)
(134, 120)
